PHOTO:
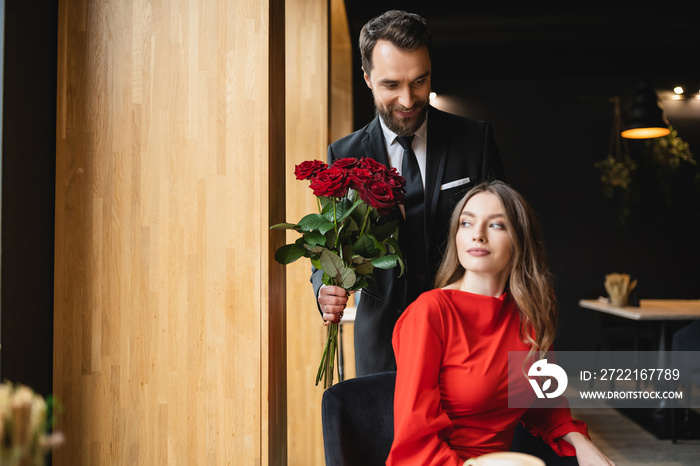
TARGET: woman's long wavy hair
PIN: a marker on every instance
(530, 283)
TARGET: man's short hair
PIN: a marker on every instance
(404, 30)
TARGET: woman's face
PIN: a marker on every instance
(483, 243)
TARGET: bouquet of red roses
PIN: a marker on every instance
(345, 239)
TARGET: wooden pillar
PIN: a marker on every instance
(169, 308)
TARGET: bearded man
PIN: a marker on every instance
(441, 156)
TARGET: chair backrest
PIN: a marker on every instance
(358, 420)
(358, 425)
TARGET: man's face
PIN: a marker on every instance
(400, 83)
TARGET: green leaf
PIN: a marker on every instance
(360, 283)
(365, 268)
(401, 265)
(315, 238)
(330, 239)
(315, 222)
(333, 265)
(326, 279)
(315, 250)
(378, 245)
(352, 225)
(327, 211)
(386, 262)
(342, 207)
(365, 246)
(347, 251)
(324, 201)
(359, 211)
(348, 279)
(284, 226)
(350, 209)
(289, 253)
(393, 247)
(326, 228)
(382, 232)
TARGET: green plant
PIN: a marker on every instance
(25, 421)
(670, 151)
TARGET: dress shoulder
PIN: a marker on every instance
(428, 301)
(430, 306)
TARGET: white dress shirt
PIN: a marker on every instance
(395, 151)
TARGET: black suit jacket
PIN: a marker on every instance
(458, 149)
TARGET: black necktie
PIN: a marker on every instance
(413, 203)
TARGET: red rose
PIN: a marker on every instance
(397, 183)
(378, 194)
(331, 182)
(373, 166)
(358, 177)
(346, 163)
(307, 170)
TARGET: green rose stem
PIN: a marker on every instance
(326, 368)
(335, 227)
(335, 222)
(364, 222)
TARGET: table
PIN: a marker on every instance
(662, 310)
(649, 309)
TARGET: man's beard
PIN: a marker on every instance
(402, 126)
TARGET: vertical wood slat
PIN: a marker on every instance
(168, 308)
(277, 323)
(340, 116)
(341, 73)
(313, 28)
(307, 138)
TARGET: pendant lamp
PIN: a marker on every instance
(645, 119)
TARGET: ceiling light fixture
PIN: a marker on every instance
(645, 119)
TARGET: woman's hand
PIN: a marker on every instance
(587, 454)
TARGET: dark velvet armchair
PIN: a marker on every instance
(358, 424)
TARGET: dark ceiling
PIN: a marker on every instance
(485, 40)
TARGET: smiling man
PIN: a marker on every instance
(440, 155)
(400, 83)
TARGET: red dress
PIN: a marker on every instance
(451, 398)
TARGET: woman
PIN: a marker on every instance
(493, 295)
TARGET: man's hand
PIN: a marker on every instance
(332, 300)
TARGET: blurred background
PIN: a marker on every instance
(546, 79)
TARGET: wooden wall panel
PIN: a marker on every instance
(341, 72)
(169, 312)
(313, 28)
(340, 116)
(307, 138)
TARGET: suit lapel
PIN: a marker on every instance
(438, 144)
(373, 143)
